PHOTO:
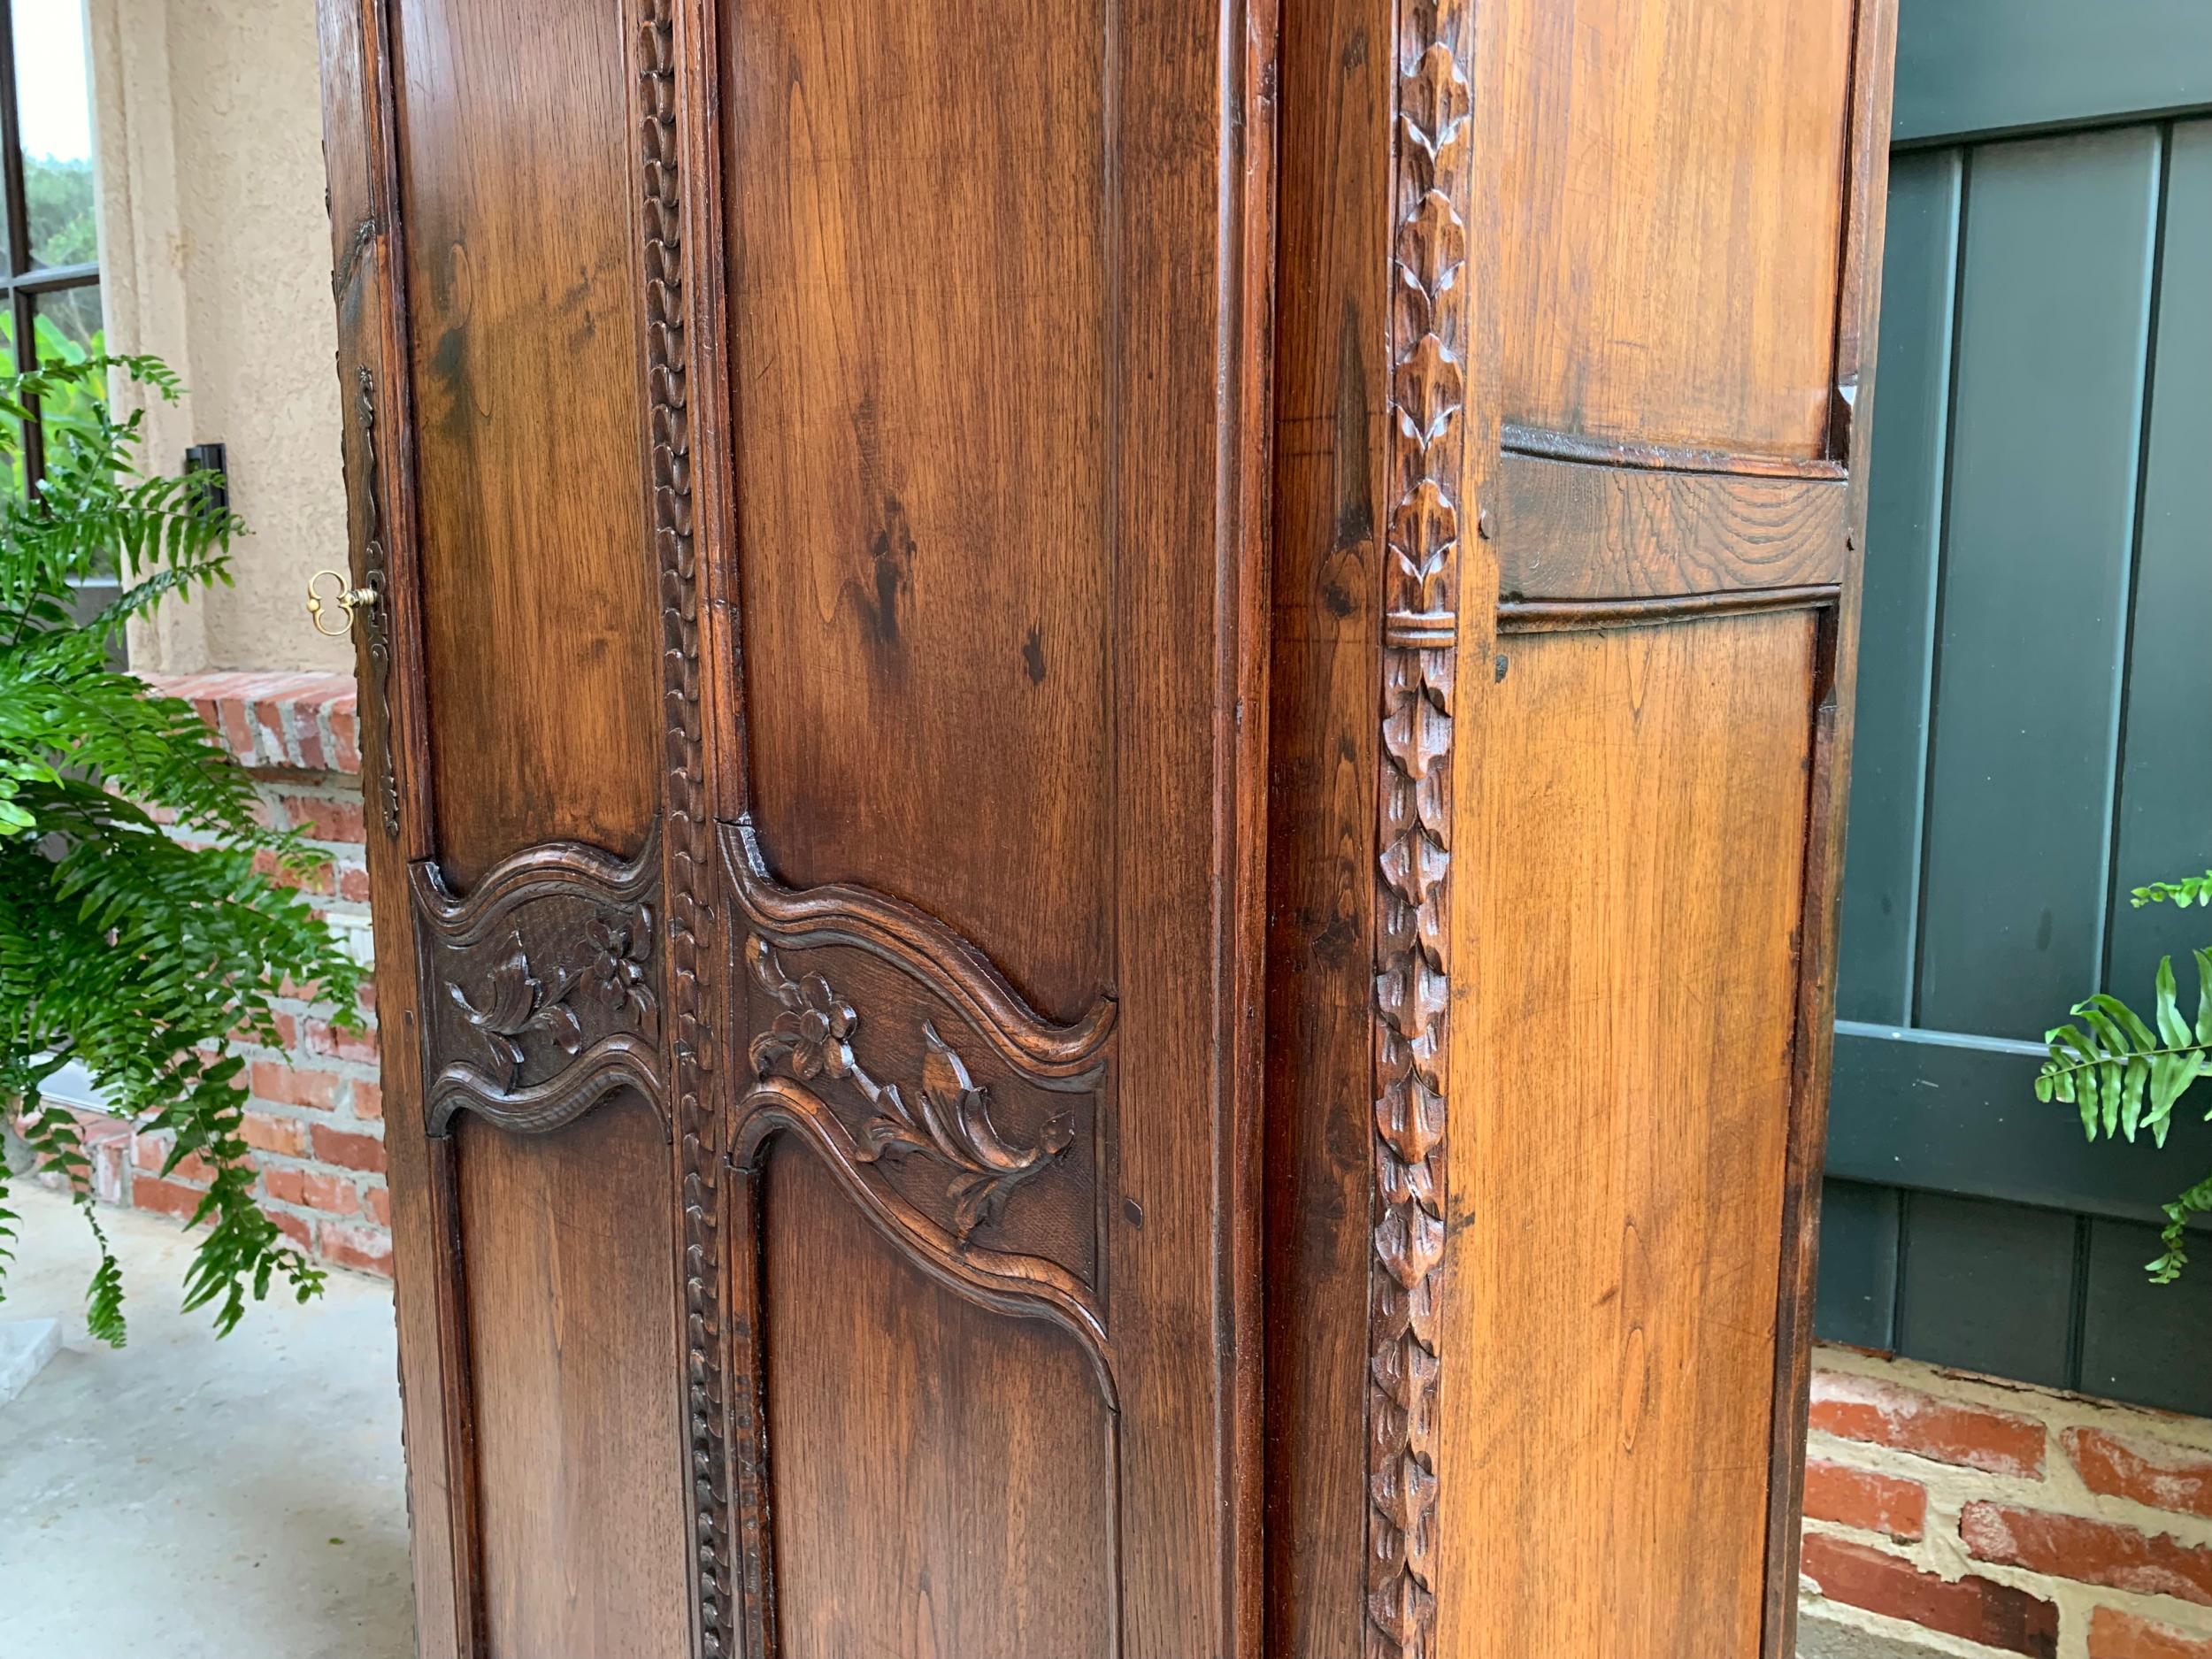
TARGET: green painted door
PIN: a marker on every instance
(2035, 704)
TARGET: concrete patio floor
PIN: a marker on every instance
(240, 1499)
(192, 1498)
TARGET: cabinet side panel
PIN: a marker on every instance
(1674, 175)
(357, 156)
(1634, 886)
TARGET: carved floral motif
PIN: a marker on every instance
(813, 1035)
(812, 1027)
(542, 986)
(615, 974)
(512, 1000)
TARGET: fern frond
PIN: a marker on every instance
(56, 1143)
(2173, 1238)
(2189, 890)
(138, 956)
(2120, 1074)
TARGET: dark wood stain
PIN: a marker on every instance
(1581, 531)
(942, 562)
(881, 267)
(565, 1245)
(1331, 303)
(530, 509)
(945, 1475)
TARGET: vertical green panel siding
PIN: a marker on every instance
(2054, 294)
(1988, 1287)
(1904, 525)
(2036, 674)
(2165, 826)
(2142, 1341)
(1858, 1265)
(1983, 65)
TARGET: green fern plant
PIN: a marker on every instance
(2189, 890)
(142, 958)
(2125, 1074)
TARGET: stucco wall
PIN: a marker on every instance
(217, 257)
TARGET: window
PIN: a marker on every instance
(49, 278)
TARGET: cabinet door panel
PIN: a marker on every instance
(513, 694)
(542, 685)
(991, 855)
(942, 1480)
(806, 472)
(516, 456)
(565, 1249)
(920, 293)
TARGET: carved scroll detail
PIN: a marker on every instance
(690, 831)
(940, 1117)
(1022, 1286)
(926, 949)
(813, 1036)
(1413, 960)
(542, 993)
(377, 614)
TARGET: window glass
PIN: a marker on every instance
(53, 92)
(68, 326)
(49, 292)
(69, 323)
(12, 459)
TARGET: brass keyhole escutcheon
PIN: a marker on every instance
(347, 600)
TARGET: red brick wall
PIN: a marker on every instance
(1959, 1515)
(316, 1120)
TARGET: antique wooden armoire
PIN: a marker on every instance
(1103, 745)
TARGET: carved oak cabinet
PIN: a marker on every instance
(1104, 740)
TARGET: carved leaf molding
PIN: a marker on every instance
(1413, 967)
(725, 1621)
(812, 1036)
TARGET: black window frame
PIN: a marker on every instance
(23, 283)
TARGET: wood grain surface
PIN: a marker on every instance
(927, 417)
(1323, 737)
(1574, 531)
(1195, 733)
(1672, 192)
(1611, 1319)
(542, 667)
(943, 1473)
(995, 544)
(566, 1247)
